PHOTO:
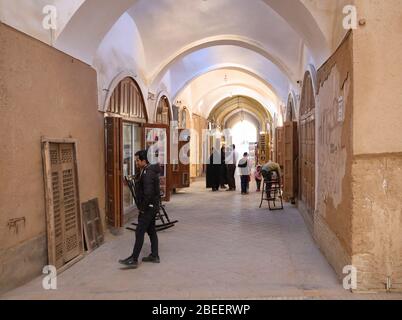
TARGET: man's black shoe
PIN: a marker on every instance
(125, 260)
(129, 262)
(152, 259)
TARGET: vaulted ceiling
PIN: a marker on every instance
(182, 47)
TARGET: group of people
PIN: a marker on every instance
(220, 171)
(222, 168)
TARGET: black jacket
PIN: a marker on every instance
(148, 188)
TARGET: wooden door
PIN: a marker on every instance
(114, 155)
(307, 145)
(307, 129)
(280, 146)
(152, 134)
(180, 170)
(290, 160)
(64, 222)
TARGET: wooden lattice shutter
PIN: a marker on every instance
(93, 230)
(57, 210)
(280, 146)
(62, 203)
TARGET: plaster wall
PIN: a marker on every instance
(377, 62)
(120, 54)
(27, 16)
(43, 92)
(377, 165)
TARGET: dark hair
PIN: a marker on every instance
(142, 155)
(234, 146)
(245, 154)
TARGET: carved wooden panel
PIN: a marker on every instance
(127, 101)
(64, 223)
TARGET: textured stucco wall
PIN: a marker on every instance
(43, 92)
(377, 51)
(332, 223)
(377, 220)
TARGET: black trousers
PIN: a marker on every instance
(146, 224)
(231, 169)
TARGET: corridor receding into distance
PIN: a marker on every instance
(257, 140)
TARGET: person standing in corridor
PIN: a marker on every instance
(231, 168)
(244, 166)
(148, 200)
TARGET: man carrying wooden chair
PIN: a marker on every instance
(148, 201)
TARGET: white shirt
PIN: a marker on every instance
(246, 170)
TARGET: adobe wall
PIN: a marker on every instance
(377, 163)
(43, 92)
(377, 220)
(377, 48)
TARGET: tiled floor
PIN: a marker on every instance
(223, 247)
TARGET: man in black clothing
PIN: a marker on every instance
(231, 169)
(148, 200)
(223, 169)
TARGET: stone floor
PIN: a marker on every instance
(224, 247)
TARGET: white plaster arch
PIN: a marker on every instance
(115, 56)
(221, 40)
(228, 66)
(213, 98)
(232, 88)
(81, 39)
(301, 19)
(235, 112)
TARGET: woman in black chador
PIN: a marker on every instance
(223, 170)
(213, 171)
